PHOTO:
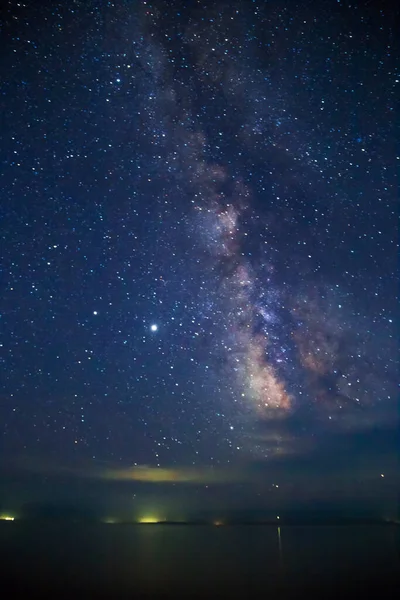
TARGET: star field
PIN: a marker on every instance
(199, 242)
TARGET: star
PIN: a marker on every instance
(234, 242)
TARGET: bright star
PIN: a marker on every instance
(153, 327)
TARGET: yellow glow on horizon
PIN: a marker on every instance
(218, 523)
(6, 518)
(150, 519)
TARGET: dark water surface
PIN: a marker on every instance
(206, 561)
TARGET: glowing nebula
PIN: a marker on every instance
(268, 391)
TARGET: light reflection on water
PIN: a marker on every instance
(157, 557)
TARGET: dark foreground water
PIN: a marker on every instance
(191, 561)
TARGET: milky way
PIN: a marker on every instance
(199, 245)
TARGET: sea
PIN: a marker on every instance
(159, 561)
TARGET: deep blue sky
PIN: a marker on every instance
(199, 253)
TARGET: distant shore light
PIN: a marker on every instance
(110, 521)
(150, 519)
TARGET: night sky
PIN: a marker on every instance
(199, 254)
